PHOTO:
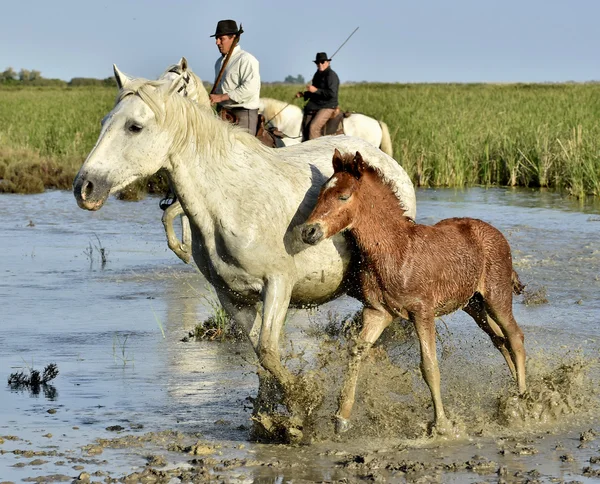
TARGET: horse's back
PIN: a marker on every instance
(481, 238)
(477, 230)
(365, 127)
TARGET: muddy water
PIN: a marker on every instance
(115, 331)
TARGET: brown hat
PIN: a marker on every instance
(321, 57)
(226, 27)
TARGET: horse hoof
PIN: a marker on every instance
(341, 425)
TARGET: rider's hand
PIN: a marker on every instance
(299, 94)
(217, 98)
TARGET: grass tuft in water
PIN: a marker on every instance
(219, 326)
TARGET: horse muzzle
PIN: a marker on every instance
(89, 194)
(312, 233)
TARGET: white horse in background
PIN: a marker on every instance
(245, 203)
(287, 118)
(190, 85)
(288, 123)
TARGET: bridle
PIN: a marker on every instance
(185, 78)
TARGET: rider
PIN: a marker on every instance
(238, 91)
(322, 97)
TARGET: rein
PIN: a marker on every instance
(275, 115)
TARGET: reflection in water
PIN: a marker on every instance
(49, 391)
(58, 307)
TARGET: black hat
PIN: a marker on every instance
(226, 27)
(321, 56)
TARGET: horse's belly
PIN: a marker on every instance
(320, 272)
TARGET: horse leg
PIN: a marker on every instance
(374, 322)
(499, 306)
(246, 316)
(424, 323)
(276, 299)
(476, 309)
(181, 249)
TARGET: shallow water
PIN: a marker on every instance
(115, 331)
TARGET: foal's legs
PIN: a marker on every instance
(424, 322)
(499, 307)
(374, 322)
(476, 309)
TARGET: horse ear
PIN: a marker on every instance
(359, 163)
(122, 79)
(338, 162)
(183, 63)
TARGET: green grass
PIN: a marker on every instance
(537, 135)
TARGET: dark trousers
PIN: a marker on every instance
(313, 123)
(247, 119)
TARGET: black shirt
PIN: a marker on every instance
(327, 83)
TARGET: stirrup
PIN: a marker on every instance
(168, 200)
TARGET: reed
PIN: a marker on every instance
(444, 135)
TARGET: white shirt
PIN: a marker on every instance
(241, 80)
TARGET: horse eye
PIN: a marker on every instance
(134, 128)
(344, 197)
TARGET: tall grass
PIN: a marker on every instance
(538, 135)
(46, 133)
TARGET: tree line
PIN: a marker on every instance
(26, 77)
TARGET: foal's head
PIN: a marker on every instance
(337, 204)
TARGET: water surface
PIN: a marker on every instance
(115, 331)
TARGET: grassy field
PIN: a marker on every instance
(539, 135)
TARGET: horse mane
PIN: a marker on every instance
(349, 166)
(188, 123)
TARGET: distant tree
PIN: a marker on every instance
(34, 75)
(299, 79)
(24, 75)
(8, 75)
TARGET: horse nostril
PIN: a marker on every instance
(311, 233)
(87, 190)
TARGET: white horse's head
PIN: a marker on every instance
(133, 141)
(189, 84)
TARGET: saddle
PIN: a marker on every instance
(335, 123)
(267, 136)
(227, 115)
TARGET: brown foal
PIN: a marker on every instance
(418, 271)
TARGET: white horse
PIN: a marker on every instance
(192, 87)
(287, 118)
(245, 203)
(287, 121)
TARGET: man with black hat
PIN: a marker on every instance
(322, 97)
(238, 91)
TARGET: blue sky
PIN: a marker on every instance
(397, 40)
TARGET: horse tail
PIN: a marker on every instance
(386, 140)
(517, 285)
